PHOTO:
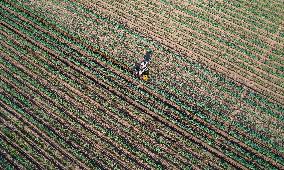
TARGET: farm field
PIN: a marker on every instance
(69, 100)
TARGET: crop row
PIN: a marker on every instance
(191, 21)
(46, 130)
(59, 102)
(17, 156)
(77, 139)
(260, 10)
(235, 20)
(243, 64)
(145, 10)
(134, 42)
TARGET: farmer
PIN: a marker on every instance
(141, 69)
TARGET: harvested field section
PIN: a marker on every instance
(69, 99)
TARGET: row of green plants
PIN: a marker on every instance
(5, 164)
(116, 24)
(46, 130)
(32, 68)
(250, 38)
(39, 73)
(60, 103)
(251, 20)
(23, 139)
(200, 15)
(75, 109)
(259, 9)
(182, 18)
(137, 89)
(15, 154)
(236, 47)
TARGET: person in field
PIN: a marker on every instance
(140, 69)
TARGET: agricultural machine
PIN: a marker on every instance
(140, 69)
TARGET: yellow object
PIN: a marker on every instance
(145, 77)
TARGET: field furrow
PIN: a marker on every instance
(69, 98)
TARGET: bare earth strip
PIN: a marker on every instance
(153, 114)
(247, 80)
(74, 84)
